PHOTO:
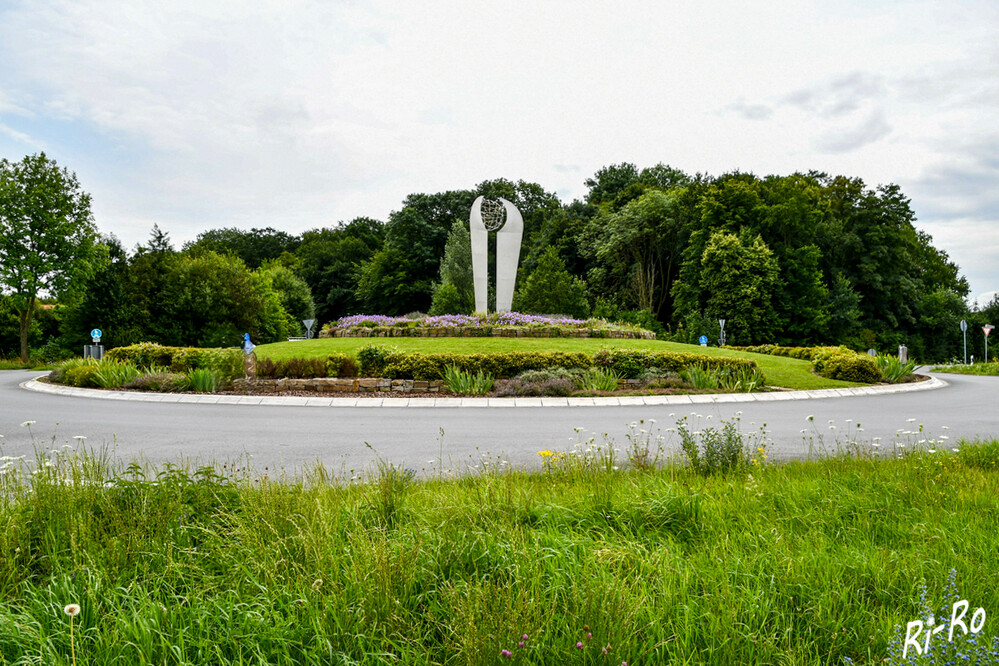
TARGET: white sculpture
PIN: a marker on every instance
(489, 216)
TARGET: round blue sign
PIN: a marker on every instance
(704, 339)
(96, 333)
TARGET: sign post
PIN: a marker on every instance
(964, 331)
(309, 323)
(96, 350)
(721, 335)
(704, 341)
(987, 329)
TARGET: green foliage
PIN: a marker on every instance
(466, 383)
(341, 365)
(447, 300)
(227, 363)
(630, 363)
(847, 366)
(294, 296)
(84, 375)
(112, 374)
(711, 450)
(550, 289)
(598, 379)
(455, 291)
(987, 369)
(700, 377)
(636, 249)
(983, 455)
(739, 276)
(47, 235)
(373, 359)
(892, 369)
(399, 365)
(203, 380)
(166, 382)
(330, 260)
(254, 247)
(293, 572)
(58, 375)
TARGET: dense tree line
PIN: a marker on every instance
(795, 260)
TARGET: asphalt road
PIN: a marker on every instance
(428, 439)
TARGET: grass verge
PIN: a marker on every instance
(592, 561)
(779, 371)
(990, 369)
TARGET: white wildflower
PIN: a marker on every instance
(27, 424)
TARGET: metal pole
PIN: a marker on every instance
(966, 346)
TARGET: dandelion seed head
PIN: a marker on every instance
(27, 424)
(71, 610)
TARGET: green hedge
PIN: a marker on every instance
(400, 365)
(630, 363)
(847, 366)
(803, 353)
(377, 361)
(830, 362)
(227, 362)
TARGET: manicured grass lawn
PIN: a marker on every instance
(778, 370)
(800, 563)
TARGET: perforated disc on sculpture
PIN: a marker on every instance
(493, 214)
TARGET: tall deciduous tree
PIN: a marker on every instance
(739, 276)
(47, 233)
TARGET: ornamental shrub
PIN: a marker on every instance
(630, 363)
(168, 382)
(431, 366)
(227, 362)
(83, 375)
(341, 365)
(847, 366)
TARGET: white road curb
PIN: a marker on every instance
(424, 402)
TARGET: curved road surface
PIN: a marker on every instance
(292, 437)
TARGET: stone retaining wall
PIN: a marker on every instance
(483, 332)
(339, 385)
(359, 385)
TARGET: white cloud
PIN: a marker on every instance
(298, 114)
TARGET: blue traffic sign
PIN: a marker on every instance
(96, 334)
(704, 340)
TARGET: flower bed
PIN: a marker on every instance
(506, 324)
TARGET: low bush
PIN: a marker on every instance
(630, 363)
(341, 365)
(397, 365)
(700, 377)
(227, 363)
(847, 366)
(112, 374)
(467, 383)
(167, 382)
(553, 386)
(892, 369)
(58, 375)
(83, 375)
(203, 380)
(720, 450)
(802, 353)
(598, 379)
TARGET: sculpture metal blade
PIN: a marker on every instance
(508, 241)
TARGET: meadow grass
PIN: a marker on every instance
(991, 369)
(591, 560)
(778, 370)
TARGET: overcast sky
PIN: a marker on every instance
(298, 114)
